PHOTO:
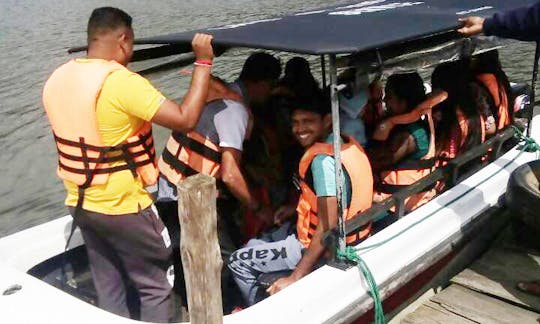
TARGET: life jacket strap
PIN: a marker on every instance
(393, 188)
(414, 165)
(108, 158)
(104, 170)
(356, 238)
(104, 157)
(105, 152)
(179, 166)
(141, 141)
(197, 147)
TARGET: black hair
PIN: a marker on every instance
(488, 62)
(106, 19)
(318, 103)
(407, 86)
(261, 66)
(457, 80)
(298, 78)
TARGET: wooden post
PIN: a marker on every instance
(199, 248)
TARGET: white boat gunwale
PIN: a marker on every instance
(326, 295)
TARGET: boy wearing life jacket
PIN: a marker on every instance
(300, 248)
(101, 115)
(215, 148)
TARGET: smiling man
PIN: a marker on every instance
(301, 249)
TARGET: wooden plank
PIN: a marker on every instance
(498, 272)
(480, 308)
(199, 247)
(433, 313)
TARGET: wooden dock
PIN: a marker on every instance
(486, 291)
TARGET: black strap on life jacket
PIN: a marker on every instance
(179, 166)
(187, 142)
(197, 147)
(107, 154)
(393, 188)
(414, 165)
(308, 180)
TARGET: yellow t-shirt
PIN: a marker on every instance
(125, 102)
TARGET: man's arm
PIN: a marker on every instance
(232, 176)
(522, 24)
(184, 117)
(327, 212)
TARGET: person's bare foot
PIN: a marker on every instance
(530, 287)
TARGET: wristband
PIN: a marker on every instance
(203, 63)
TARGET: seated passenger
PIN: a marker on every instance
(407, 154)
(352, 101)
(373, 113)
(298, 80)
(461, 125)
(489, 75)
(300, 248)
(271, 155)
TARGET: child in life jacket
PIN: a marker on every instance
(298, 248)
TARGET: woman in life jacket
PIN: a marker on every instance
(488, 74)
(407, 154)
(460, 125)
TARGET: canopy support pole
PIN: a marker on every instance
(337, 150)
(533, 86)
(323, 71)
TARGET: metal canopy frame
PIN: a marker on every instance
(337, 150)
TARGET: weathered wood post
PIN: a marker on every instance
(199, 248)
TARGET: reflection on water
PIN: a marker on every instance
(34, 36)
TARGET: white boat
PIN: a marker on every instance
(406, 258)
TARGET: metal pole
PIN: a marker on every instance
(337, 149)
(323, 69)
(533, 85)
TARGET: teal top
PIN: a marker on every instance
(421, 137)
(323, 168)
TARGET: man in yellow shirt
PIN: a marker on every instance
(100, 113)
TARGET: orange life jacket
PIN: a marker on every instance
(189, 154)
(69, 97)
(408, 173)
(500, 98)
(447, 153)
(355, 161)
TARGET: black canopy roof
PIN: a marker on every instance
(356, 27)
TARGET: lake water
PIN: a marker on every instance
(34, 37)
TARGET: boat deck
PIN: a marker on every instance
(486, 291)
